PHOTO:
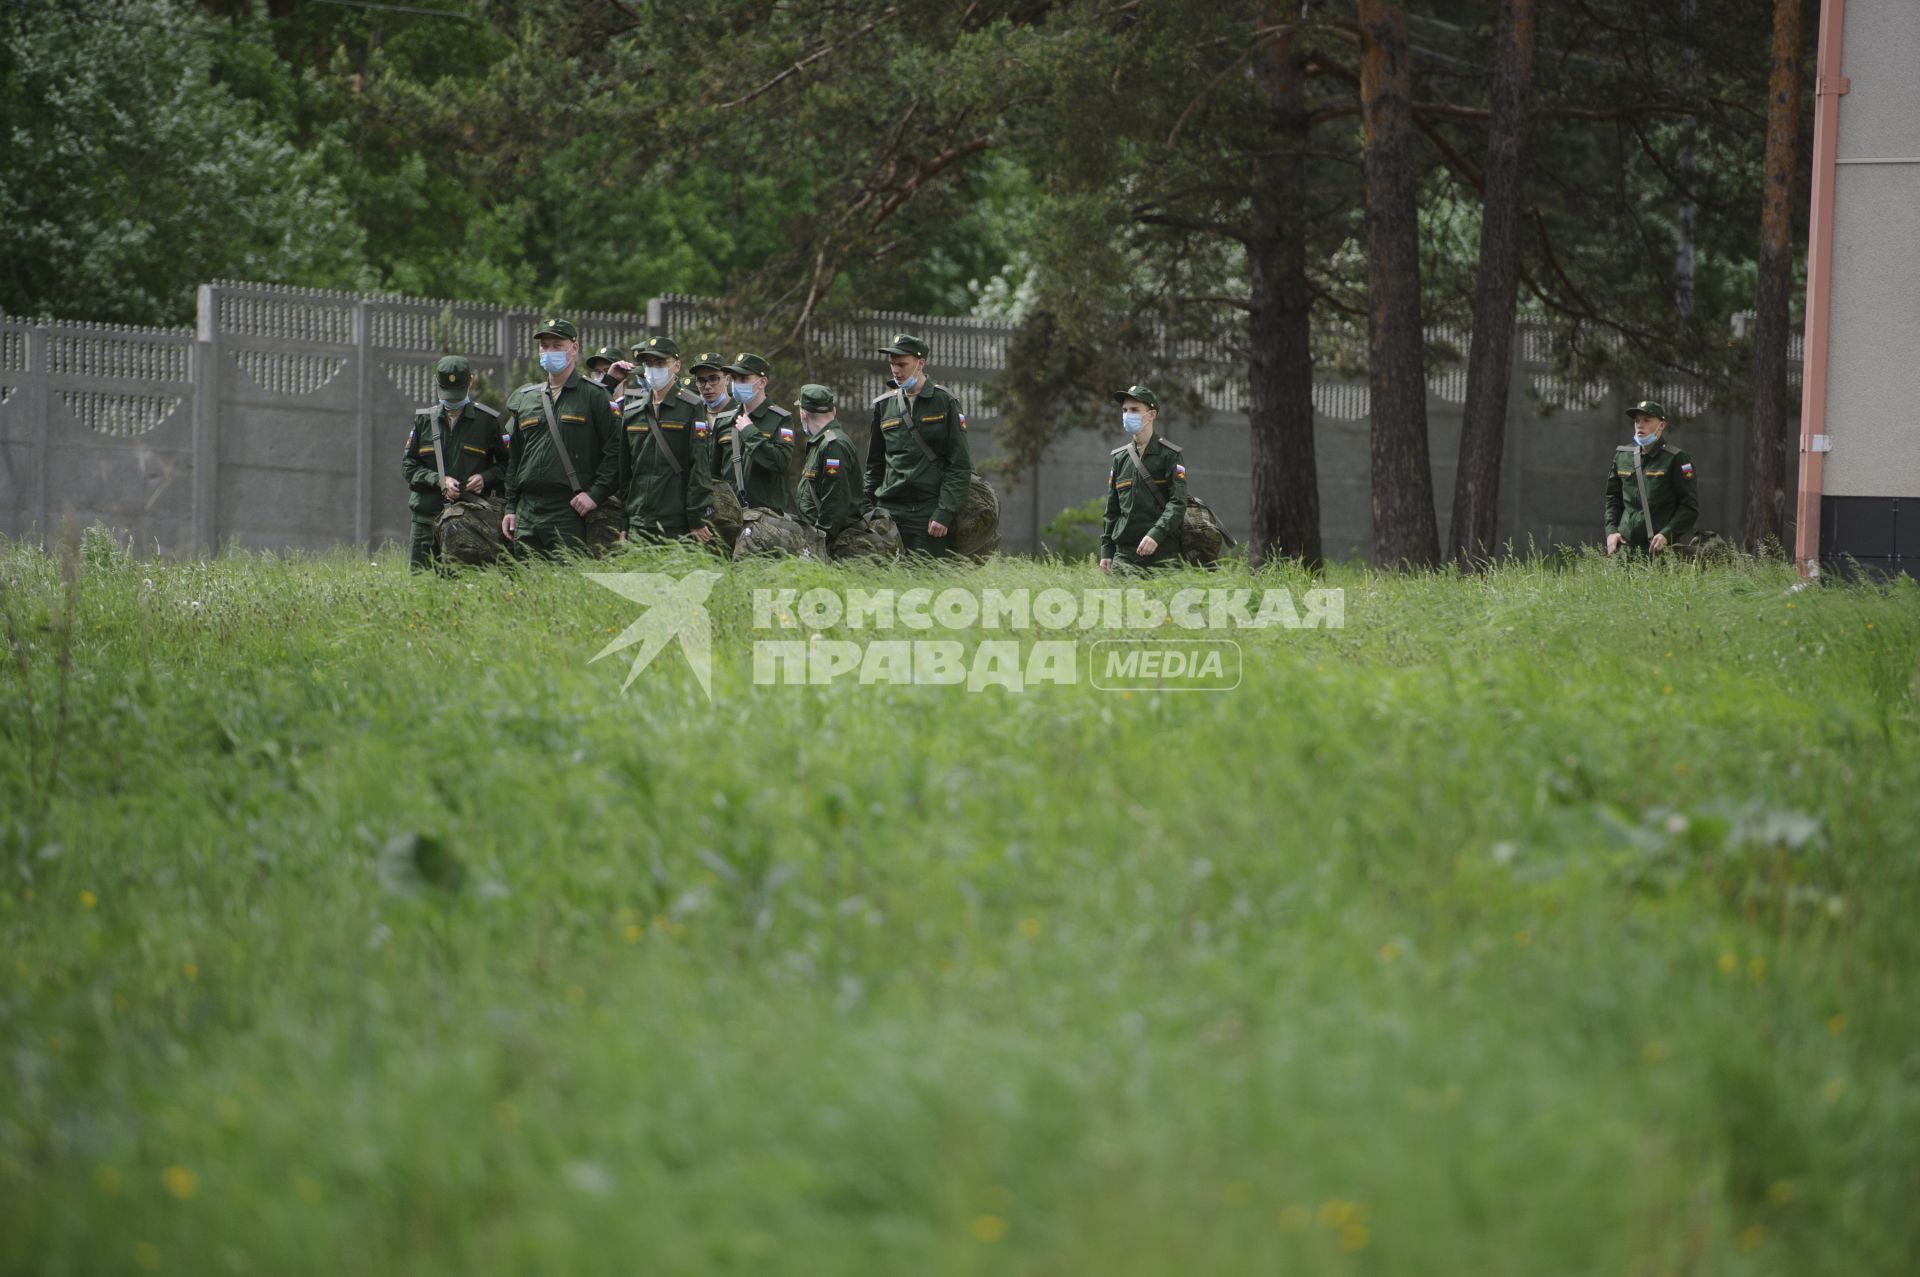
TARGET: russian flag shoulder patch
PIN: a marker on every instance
(1686, 468)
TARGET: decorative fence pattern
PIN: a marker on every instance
(278, 422)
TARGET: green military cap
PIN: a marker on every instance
(1144, 394)
(558, 328)
(749, 365)
(608, 355)
(906, 344)
(453, 373)
(709, 359)
(816, 398)
(1647, 407)
(658, 347)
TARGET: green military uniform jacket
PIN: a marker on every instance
(829, 484)
(1672, 492)
(585, 417)
(900, 474)
(766, 451)
(660, 496)
(1136, 509)
(472, 443)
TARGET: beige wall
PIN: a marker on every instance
(1873, 389)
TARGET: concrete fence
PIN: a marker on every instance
(278, 423)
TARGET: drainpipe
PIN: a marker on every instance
(1815, 443)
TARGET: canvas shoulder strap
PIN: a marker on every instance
(439, 455)
(739, 452)
(1640, 478)
(559, 444)
(1146, 480)
(913, 427)
(659, 440)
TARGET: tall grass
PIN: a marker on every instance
(1557, 920)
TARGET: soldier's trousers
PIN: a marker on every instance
(423, 549)
(548, 531)
(1129, 563)
(1639, 545)
(914, 537)
(658, 531)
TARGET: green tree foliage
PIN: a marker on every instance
(130, 174)
(1171, 187)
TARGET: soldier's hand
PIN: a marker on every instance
(506, 525)
(1147, 545)
(1613, 541)
(702, 535)
(450, 488)
(935, 528)
(1106, 565)
(476, 482)
(1658, 543)
(583, 505)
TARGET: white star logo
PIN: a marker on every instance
(676, 609)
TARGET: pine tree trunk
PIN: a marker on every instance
(1286, 487)
(1405, 533)
(1771, 424)
(1483, 426)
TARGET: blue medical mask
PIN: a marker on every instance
(743, 393)
(454, 405)
(910, 384)
(1644, 440)
(1132, 421)
(553, 360)
(659, 378)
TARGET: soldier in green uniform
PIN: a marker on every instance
(456, 446)
(1672, 496)
(621, 382)
(550, 492)
(918, 463)
(1146, 490)
(759, 438)
(829, 488)
(671, 348)
(710, 383)
(599, 364)
(667, 464)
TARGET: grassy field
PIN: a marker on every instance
(1549, 922)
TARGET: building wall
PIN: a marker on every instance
(1870, 508)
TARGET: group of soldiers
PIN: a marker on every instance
(630, 431)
